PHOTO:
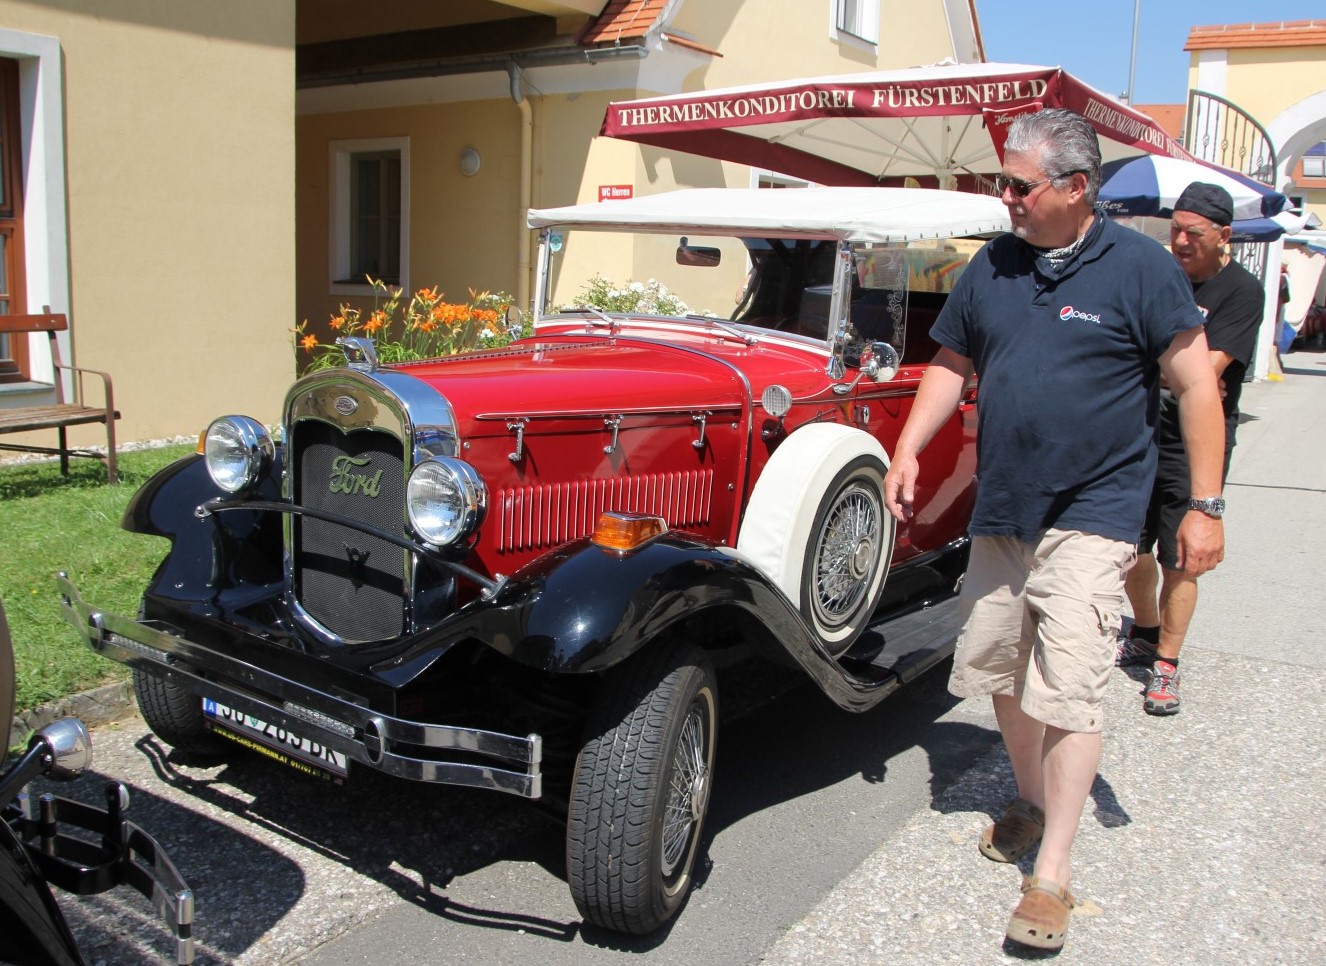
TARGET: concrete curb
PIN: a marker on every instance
(95, 707)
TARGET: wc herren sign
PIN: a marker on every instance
(928, 123)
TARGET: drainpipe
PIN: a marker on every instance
(523, 243)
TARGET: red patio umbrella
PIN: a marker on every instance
(943, 125)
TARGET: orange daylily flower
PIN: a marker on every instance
(309, 341)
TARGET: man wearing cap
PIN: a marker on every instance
(1231, 299)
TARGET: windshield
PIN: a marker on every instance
(773, 284)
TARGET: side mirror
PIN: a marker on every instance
(688, 254)
(881, 362)
(513, 324)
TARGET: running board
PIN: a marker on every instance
(906, 646)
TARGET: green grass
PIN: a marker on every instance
(52, 523)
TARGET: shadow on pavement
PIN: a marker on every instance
(121, 926)
(415, 839)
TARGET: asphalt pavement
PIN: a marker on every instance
(1201, 841)
(1198, 845)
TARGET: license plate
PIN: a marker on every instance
(274, 741)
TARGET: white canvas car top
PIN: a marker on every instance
(880, 215)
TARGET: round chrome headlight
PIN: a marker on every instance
(446, 500)
(238, 452)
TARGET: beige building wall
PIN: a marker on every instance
(468, 232)
(762, 41)
(1284, 88)
(1276, 73)
(175, 214)
(782, 39)
(463, 229)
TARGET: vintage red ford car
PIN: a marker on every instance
(518, 569)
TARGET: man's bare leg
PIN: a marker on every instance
(1023, 737)
(1054, 770)
(1178, 602)
(1141, 585)
(1068, 764)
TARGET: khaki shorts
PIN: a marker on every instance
(1040, 622)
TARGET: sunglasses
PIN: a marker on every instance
(1020, 188)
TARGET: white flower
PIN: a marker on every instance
(637, 287)
(487, 333)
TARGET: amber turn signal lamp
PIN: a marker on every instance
(201, 448)
(626, 531)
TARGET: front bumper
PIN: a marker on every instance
(372, 739)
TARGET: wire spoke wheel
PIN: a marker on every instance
(848, 552)
(847, 555)
(688, 791)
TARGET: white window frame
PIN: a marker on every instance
(45, 203)
(767, 178)
(338, 209)
(1318, 164)
(859, 20)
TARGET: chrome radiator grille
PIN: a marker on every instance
(351, 583)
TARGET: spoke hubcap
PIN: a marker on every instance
(847, 555)
(688, 794)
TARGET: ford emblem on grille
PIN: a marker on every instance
(344, 479)
(346, 405)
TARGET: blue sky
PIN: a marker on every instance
(1093, 41)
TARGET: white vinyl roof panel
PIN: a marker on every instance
(879, 215)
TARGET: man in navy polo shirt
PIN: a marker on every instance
(1069, 321)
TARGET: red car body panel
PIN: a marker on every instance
(571, 382)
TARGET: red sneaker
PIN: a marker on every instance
(1162, 694)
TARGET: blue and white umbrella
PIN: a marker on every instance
(1289, 222)
(1150, 185)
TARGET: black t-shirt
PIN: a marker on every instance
(1232, 302)
(1068, 361)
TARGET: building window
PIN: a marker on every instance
(375, 215)
(1314, 161)
(369, 213)
(857, 18)
(763, 178)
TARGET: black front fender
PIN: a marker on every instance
(248, 544)
(584, 608)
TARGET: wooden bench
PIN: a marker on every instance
(61, 415)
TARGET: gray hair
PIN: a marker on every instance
(1066, 142)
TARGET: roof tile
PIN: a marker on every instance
(1277, 33)
(1168, 116)
(623, 22)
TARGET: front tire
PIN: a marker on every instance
(175, 716)
(641, 789)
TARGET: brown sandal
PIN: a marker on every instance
(1041, 918)
(1014, 835)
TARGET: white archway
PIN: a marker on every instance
(1297, 128)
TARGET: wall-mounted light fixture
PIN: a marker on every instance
(469, 162)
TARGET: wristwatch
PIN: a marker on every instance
(1212, 506)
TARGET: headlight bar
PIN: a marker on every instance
(426, 552)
